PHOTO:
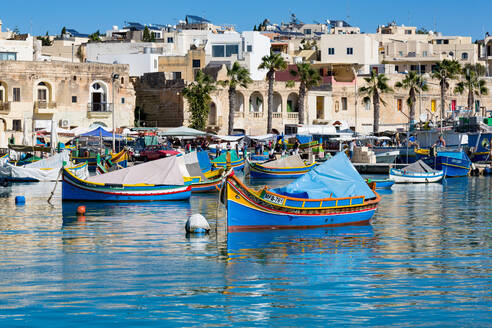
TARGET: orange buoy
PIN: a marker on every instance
(81, 210)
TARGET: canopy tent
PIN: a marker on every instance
(227, 138)
(164, 171)
(336, 178)
(183, 131)
(284, 162)
(223, 158)
(264, 137)
(100, 132)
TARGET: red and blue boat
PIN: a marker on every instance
(158, 180)
(290, 167)
(332, 194)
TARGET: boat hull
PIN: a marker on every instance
(384, 184)
(205, 187)
(77, 189)
(405, 177)
(452, 167)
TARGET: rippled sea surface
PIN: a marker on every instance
(426, 261)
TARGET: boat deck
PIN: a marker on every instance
(377, 168)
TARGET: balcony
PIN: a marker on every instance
(277, 115)
(256, 114)
(99, 110)
(44, 107)
(4, 107)
(238, 114)
(293, 115)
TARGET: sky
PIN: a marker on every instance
(451, 17)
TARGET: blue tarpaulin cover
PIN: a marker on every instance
(304, 139)
(99, 132)
(204, 161)
(337, 178)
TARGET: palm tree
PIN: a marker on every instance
(238, 76)
(414, 83)
(472, 82)
(377, 84)
(272, 63)
(446, 70)
(308, 78)
(198, 96)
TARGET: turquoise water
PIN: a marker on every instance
(425, 261)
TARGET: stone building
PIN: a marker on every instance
(32, 94)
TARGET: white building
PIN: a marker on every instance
(349, 49)
(17, 49)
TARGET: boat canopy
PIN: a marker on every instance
(55, 161)
(419, 167)
(183, 131)
(222, 158)
(336, 178)
(204, 161)
(100, 132)
(285, 162)
(164, 171)
(192, 165)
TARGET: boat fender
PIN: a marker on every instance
(20, 200)
(197, 224)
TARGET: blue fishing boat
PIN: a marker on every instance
(332, 194)
(290, 167)
(480, 143)
(237, 163)
(454, 163)
(157, 180)
(382, 183)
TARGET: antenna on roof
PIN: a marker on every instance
(348, 10)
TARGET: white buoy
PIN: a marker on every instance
(196, 224)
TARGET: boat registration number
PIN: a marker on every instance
(274, 199)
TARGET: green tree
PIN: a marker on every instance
(95, 37)
(308, 78)
(255, 28)
(472, 82)
(198, 96)
(377, 84)
(237, 76)
(414, 83)
(271, 63)
(63, 31)
(45, 41)
(445, 71)
(147, 35)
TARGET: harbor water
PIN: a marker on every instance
(426, 260)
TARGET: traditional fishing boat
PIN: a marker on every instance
(454, 163)
(382, 183)
(418, 172)
(332, 194)
(157, 180)
(93, 159)
(47, 169)
(113, 162)
(237, 163)
(289, 167)
(201, 181)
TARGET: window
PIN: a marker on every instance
(17, 125)
(331, 51)
(367, 105)
(122, 100)
(408, 31)
(249, 48)
(122, 80)
(155, 63)
(424, 53)
(399, 104)
(75, 78)
(232, 49)
(451, 54)
(218, 51)
(16, 94)
(1, 95)
(446, 41)
(8, 56)
(422, 69)
(170, 40)
(413, 68)
(41, 94)
(344, 103)
(177, 75)
(464, 56)
(438, 41)
(307, 31)
(350, 51)
(397, 69)
(196, 63)
(400, 53)
(74, 99)
(433, 68)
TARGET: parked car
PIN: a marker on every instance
(151, 153)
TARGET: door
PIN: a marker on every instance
(96, 102)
